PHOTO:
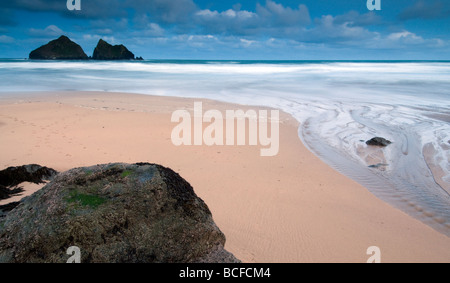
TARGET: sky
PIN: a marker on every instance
(235, 29)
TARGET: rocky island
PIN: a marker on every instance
(65, 49)
(59, 49)
(114, 213)
(106, 51)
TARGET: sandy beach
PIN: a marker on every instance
(288, 208)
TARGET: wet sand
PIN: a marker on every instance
(288, 208)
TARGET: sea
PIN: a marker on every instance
(339, 104)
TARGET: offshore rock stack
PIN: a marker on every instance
(65, 49)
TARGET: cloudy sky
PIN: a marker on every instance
(235, 29)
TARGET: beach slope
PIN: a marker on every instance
(288, 208)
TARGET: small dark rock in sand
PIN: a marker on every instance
(13, 176)
(113, 213)
(377, 141)
(378, 165)
(6, 193)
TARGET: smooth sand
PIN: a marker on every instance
(287, 208)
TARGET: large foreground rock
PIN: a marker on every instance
(59, 49)
(113, 213)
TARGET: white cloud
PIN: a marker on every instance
(328, 30)
(101, 25)
(229, 21)
(228, 14)
(272, 19)
(95, 37)
(6, 39)
(50, 31)
(421, 9)
(164, 11)
(247, 43)
(279, 15)
(201, 39)
(153, 30)
(405, 37)
(207, 13)
(105, 31)
(356, 19)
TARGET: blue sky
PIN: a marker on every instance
(245, 29)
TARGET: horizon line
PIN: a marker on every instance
(251, 60)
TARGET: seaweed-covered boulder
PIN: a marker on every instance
(59, 49)
(113, 213)
(106, 51)
(377, 141)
